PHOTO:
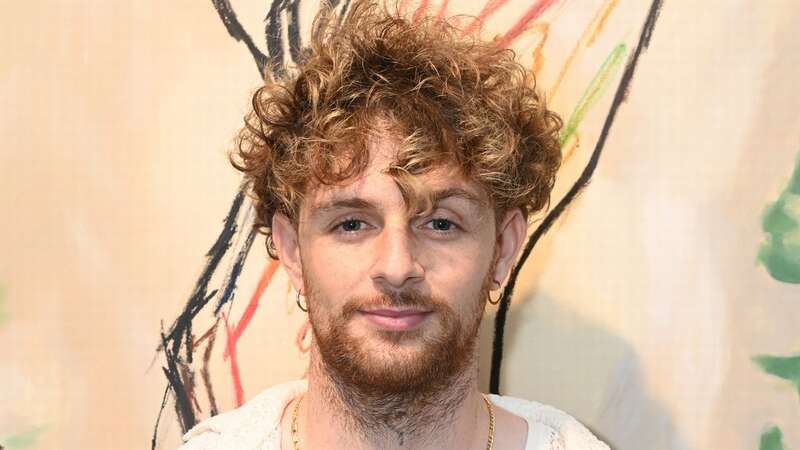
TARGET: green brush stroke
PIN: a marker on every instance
(771, 439)
(786, 367)
(780, 252)
(24, 439)
(3, 312)
(594, 91)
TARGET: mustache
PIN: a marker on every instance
(412, 299)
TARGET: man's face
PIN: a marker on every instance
(395, 300)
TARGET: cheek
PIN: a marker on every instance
(336, 272)
(459, 273)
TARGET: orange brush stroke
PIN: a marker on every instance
(602, 22)
(587, 38)
(576, 144)
(538, 58)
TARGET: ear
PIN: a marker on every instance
(284, 235)
(510, 238)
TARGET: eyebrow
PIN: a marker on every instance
(360, 203)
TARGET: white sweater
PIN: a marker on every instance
(256, 424)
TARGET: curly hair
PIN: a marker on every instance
(449, 100)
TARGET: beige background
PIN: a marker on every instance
(638, 314)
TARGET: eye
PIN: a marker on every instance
(349, 225)
(442, 225)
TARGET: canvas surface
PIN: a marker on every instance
(661, 309)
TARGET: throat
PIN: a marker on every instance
(376, 418)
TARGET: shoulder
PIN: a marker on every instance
(549, 428)
(254, 425)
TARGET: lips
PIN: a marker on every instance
(396, 320)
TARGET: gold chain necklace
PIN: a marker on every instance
(490, 441)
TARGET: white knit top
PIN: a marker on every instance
(256, 424)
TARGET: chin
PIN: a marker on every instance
(369, 357)
(391, 361)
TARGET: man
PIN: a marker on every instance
(394, 176)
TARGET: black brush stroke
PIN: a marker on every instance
(181, 329)
(293, 32)
(238, 265)
(158, 419)
(188, 341)
(178, 345)
(236, 31)
(198, 299)
(187, 378)
(583, 181)
(343, 12)
(183, 406)
(273, 33)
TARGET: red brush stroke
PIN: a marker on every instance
(488, 9)
(421, 10)
(230, 354)
(442, 9)
(248, 313)
(234, 333)
(536, 10)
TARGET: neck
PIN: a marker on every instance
(445, 415)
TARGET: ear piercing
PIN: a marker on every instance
(304, 309)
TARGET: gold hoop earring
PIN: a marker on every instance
(298, 303)
(495, 301)
(489, 294)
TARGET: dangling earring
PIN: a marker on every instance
(298, 303)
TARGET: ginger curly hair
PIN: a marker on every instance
(449, 99)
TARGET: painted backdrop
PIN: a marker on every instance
(658, 301)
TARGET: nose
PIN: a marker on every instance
(396, 264)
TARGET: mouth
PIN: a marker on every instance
(396, 320)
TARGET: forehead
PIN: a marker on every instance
(377, 186)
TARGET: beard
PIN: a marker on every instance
(386, 362)
(403, 384)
